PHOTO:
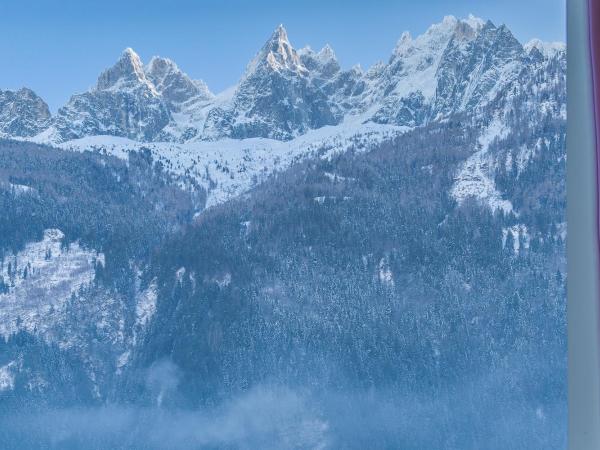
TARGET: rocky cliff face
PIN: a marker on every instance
(276, 97)
(123, 103)
(22, 113)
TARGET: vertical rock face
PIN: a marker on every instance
(475, 67)
(175, 87)
(185, 98)
(22, 113)
(123, 103)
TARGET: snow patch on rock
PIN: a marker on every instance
(520, 237)
(7, 376)
(385, 275)
(146, 305)
(476, 177)
(40, 279)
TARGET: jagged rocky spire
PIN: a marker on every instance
(173, 84)
(277, 54)
(128, 72)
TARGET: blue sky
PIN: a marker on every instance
(59, 47)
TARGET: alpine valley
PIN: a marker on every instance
(318, 257)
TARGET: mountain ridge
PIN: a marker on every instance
(285, 92)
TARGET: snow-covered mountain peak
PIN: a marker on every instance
(130, 54)
(413, 65)
(278, 97)
(127, 73)
(474, 22)
(160, 66)
(123, 103)
(447, 25)
(438, 35)
(357, 69)
(500, 42)
(465, 32)
(547, 49)
(376, 70)
(22, 113)
(404, 40)
(432, 41)
(323, 63)
(173, 84)
(278, 55)
(326, 54)
(26, 93)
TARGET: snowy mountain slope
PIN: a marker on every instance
(39, 280)
(547, 49)
(408, 82)
(230, 167)
(514, 123)
(366, 249)
(493, 59)
(322, 65)
(175, 86)
(48, 290)
(290, 105)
